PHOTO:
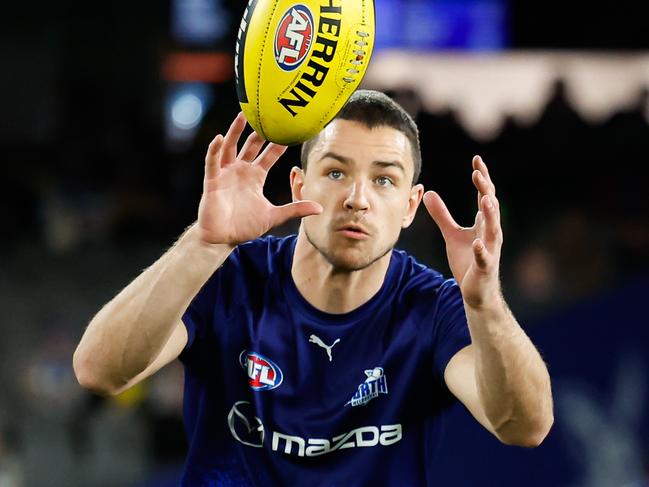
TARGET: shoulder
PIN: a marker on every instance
(416, 277)
(422, 287)
(263, 255)
(249, 269)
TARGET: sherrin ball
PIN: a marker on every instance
(297, 62)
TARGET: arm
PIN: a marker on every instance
(140, 330)
(504, 383)
(144, 320)
(500, 377)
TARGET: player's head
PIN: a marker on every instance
(361, 168)
(375, 109)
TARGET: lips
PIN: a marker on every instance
(353, 227)
(353, 231)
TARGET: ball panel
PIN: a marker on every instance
(265, 23)
(248, 49)
(240, 51)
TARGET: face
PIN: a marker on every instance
(362, 178)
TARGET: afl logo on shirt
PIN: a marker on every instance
(293, 37)
(263, 374)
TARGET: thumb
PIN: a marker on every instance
(481, 255)
(439, 212)
(297, 209)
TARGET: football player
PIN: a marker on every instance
(266, 403)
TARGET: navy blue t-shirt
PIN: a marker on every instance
(278, 392)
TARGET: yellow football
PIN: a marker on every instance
(298, 61)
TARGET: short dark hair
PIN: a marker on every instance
(376, 109)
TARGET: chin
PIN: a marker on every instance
(347, 260)
(345, 257)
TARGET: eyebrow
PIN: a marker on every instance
(332, 155)
(348, 162)
(396, 164)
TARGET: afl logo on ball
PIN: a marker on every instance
(263, 374)
(293, 37)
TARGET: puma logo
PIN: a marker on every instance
(317, 341)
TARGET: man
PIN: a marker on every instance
(327, 358)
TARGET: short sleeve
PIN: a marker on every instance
(199, 316)
(451, 328)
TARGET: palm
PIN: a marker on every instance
(459, 251)
(469, 271)
(233, 208)
(474, 252)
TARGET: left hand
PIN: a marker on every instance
(473, 252)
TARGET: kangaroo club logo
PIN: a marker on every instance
(263, 374)
(293, 37)
(376, 383)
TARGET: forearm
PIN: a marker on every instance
(129, 332)
(512, 380)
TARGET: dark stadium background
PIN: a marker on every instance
(96, 184)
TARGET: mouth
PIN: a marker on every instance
(353, 231)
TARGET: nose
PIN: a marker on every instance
(357, 198)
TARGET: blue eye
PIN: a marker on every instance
(384, 181)
(335, 175)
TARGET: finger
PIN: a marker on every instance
(229, 152)
(479, 165)
(481, 255)
(212, 157)
(479, 223)
(297, 209)
(251, 147)
(492, 229)
(484, 187)
(475, 178)
(475, 161)
(270, 155)
(439, 212)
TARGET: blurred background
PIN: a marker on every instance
(107, 109)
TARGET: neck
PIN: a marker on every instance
(329, 289)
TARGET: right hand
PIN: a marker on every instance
(233, 208)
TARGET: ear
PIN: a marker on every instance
(297, 182)
(416, 194)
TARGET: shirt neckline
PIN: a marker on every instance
(296, 299)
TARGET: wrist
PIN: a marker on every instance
(490, 320)
(193, 238)
(493, 307)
